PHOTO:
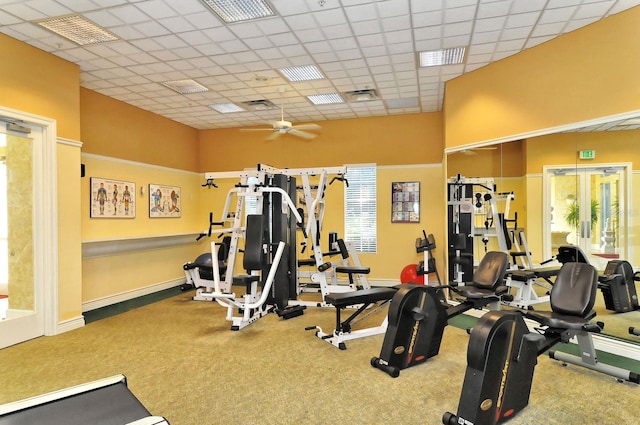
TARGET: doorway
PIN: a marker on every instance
(28, 227)
(585, 206)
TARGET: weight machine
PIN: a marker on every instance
(276, 192)
(472, 210)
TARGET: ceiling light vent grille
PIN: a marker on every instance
(366, 95)
(240, 10)
(259, 105)
(77, 29)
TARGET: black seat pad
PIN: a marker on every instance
(473, 292)
(562, 321)
(372, 295)
(353, 269)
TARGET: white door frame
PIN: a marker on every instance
(626, 219)
(45, 235)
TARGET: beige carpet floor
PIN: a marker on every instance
(183, 362)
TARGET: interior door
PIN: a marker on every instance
(585, 205)
(22, 315)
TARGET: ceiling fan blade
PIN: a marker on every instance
(256, 129)
(273, 135)
(302, 134)
(307, 127)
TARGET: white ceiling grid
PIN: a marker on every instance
(357, 44)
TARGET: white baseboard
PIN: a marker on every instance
(388, 283)
(129, 295)
(70, 324)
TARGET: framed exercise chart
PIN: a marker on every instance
(164, 201)
(112, 198)
(405, 202)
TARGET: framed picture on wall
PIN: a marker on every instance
(405, 202)
(164, 201)
(112, 198)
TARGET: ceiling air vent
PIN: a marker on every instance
(259, 105)
(360, 95)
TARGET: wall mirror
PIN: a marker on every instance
(571, 187)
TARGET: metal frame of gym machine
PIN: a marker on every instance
(253, 306)
(460, 203)
(255, 303)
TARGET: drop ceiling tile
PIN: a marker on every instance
(391, 8)
(547, 29)
(577, 23)
(327, 57)
(527, 6)
(459, 14)
(428, 19)
(398, 36)
(592, 10)
(330, 17)
(374, 51)
(494, 9)
(522, 20)
(23, 11)
(128, 14)
(156, 9)
(202, 20)
(366, 27)
(485, 37)
(348, 55)
(176, 24)
(427, 33)
(128, 32)
(233, 46)
(490, 24)
(510, 46)
(396, 23)
(284, 39)
(337, 31)
(556, 15)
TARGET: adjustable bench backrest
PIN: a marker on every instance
(491, 270)
(254, 238)
(574, 290)
(344, 252)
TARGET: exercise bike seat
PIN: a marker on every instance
(572, 298)
(488, 280)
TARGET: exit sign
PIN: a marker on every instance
(588, 154)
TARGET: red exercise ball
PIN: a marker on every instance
(409, 274)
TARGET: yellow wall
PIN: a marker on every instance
(585, 74)
(40, 83)
(115, 274)
(142, 175)
(118, 130)
(69, 232)
(392, 140)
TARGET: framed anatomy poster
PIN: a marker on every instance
(405, 202)
(112, 198)
(164, 201)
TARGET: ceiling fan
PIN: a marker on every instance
(286, 127)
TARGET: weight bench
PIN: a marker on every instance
(361, 299)
(106, 401)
